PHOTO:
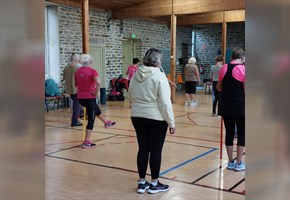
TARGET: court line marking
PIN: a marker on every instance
(188, 161)
(79, 145)
(210, 187)
(237, 184)
(207, 174)
(184, 137)
(135, 137)
(134, 171)
(181, 123)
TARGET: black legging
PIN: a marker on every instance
(151, 136)
(90, 105)
(216, 96)
(230, 123)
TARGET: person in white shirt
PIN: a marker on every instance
(151, 115)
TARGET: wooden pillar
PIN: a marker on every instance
(224, 38)
(173, 56)
(85, 26)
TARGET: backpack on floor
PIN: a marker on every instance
(51, 88)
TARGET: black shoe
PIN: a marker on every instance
(142, 187)
(158, 188)
(82, 115)
(76, 124)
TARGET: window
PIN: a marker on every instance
(192, 43)
(52, 61)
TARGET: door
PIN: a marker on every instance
(127, 55)
(98, 54)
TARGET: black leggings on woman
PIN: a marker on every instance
(90, 105)
(216, 96)
(230, 125)
(151, 136)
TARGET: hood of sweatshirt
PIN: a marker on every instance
(144, 72)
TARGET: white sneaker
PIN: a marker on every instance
(186, 102)
(193, 103)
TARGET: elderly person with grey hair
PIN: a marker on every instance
(88, 83)
(191, 80)
(69, 81)
(151, 115)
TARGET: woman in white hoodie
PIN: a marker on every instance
(151, 115)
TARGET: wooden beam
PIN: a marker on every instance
(224, 40)
(154, 8)
(173, 56)
(85, 26)
(77, 4)
(235, 16)
(211, 18)
(66, 2)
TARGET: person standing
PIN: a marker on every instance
(68, 79)
(214, 77)
(88, 83)
(132, 69)
(191, 80)
(151, 115)
(232, 106)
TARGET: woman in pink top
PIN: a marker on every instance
(231, 83)
(88, 84)
(132, 69)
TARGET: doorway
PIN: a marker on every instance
(98, 54)
(131, 48)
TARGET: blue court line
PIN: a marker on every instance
(181, 164)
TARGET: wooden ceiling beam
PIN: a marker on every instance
(75, 4)
(211, 18)
(155, 8)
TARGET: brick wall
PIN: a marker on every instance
(109, 33)
(208, 42)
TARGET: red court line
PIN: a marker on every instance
(190, 118)
(183, 115)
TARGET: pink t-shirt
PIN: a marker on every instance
(131, 71)
(85, 83)
(239, 72)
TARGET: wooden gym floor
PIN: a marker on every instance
(191, 162)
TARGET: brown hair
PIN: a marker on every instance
(219, 58)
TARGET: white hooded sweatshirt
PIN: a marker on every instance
(149, 93)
